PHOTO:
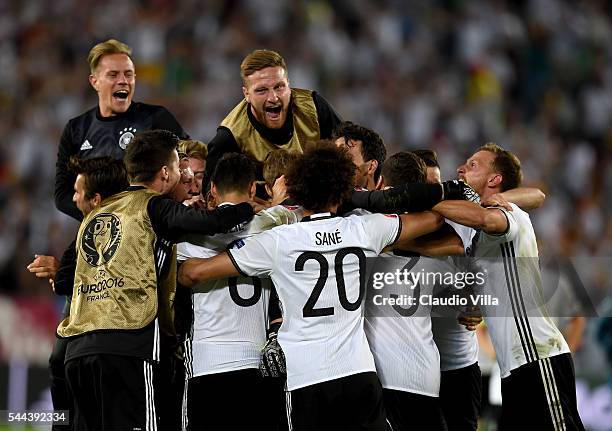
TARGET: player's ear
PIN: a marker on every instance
(380, 184)
(164, 173)
(95, 201)
(245, 92)
(495, 180)
(372, 166)
(214, 193)
(253, 190)
(93, 80)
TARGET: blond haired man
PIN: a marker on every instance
(108, 128)
(197, 152)
(531, 352)
(272, 114)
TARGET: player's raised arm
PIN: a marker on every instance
(526, 198)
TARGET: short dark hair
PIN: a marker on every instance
(234, 173)
(372, 145)
(404, 168)
(430, 157)
(148, 152)
(276, 164)
(507, 164)
(103, 175)
(322, 177)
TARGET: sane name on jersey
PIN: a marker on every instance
(328, 238)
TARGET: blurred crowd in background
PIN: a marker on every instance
(534, 76)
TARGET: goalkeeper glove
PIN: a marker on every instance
(459, 190)
(272, 362)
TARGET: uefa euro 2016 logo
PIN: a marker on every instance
(101, 239)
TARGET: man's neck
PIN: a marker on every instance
(108, 113)
(154, 185)
(488, 192)
(331, 209)
(233, 197)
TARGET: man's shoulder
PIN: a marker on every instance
(148, 108)
(517, 214)
(302, 92)
(83, 117)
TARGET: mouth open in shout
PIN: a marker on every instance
(121, 94)
(273, 112)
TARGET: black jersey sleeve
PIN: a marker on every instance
(171, 219)
(223, 143)
(64, 277)
(405, 198)
(328, 117)
(64, 178)
(163, 119)
(274, 306)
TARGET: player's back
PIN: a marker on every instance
(402, 333)
(319, 269)
(229, 315)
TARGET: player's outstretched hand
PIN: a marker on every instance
(258, 205)
(196, 202)
(497, 200)
(272, 362)
(44, 266)
(279, 191)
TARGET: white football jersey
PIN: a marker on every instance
(230, 316)
(319, 269)
(458, 347)
(400, 335)
(520, 326)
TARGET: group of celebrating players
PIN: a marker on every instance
(230, 287)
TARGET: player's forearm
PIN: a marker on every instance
(198, 270)
(418, 224)
(463, 212)
(435, 245)
(64, 178)
(190, 272)
(405, 198)
(527, 198)
(470, 214)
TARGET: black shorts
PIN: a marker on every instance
(349, 403)
(234, 400)
(410, 411)
(112, 392)
(169, 386)
(541, 395)
(461, 397)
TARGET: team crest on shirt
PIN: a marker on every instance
(127, 134)
(101, 239)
